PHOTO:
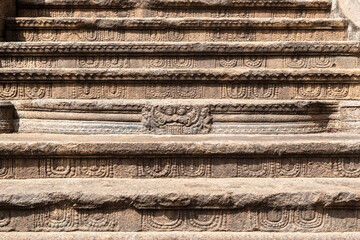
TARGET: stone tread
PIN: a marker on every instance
(222, 75)
(200, 193)
(164, 23)
(117, 144)
(318, 4)
(179, 235)
(261, 48)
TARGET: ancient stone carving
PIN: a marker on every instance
(70, 167)
(173, 167)
(173, 91)
(174, 220)
(177, 119)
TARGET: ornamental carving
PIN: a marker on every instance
(177, 119)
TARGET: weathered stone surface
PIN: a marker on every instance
(144, 117)
(181, 193)
(50, 144)
(183, 236)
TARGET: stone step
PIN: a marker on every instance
(265, 84)
(180, 235)
(183, 48)
(39, 156)
(180, 117)
(195, 205)
(174, 29)
(264, 55)
(175, 9)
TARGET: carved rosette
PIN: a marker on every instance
(177, 119)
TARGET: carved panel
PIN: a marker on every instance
(25, 91)
(178, 220)
(96, 91)
(56, 219)
(162, 91)
(246, 91)
(178, 62)
(159, 167)
(177, 119)
(102, 62)
(347, 167)
(322, 91)
(70, 167)
(28, 62)
(285, 219)
(267, 167)
(321, 61)
(98, 220)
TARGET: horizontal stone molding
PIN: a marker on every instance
(67, 219)
(192, 30)
(206, 116)
(28, 75)
(186, 61)
(163, 23)
(184, 194)
(174, 166)
(181, 235)
(148, 48)
(318, 4)
(117, 144)
(178, 12)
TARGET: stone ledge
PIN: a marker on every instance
(138, 75)
(24, 23)
(318, 4)
(197, 48)
(100, 145)
(227, 193)
(180, 236)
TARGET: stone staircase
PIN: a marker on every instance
(179, 119)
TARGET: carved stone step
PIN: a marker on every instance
(153, 166)
(178, 117)
(333, 48)
(180, 235)
(298, 55)
(314, 4)
(275, 84)
(115, 145)
(145, 157)
(195, 205)
(246, 9)
(168, 30)
(294, 55)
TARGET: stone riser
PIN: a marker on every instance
(150, 167)
(64, 219)
(134, 117)
(113, 90)
(103, 127)
(314, 4)
(80, 35)
(181, 236)
(173, 13)
(336, 48)
(297, 61)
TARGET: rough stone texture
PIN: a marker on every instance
(226, 193)
(350, 9)
(206, 119)
(183, 236)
